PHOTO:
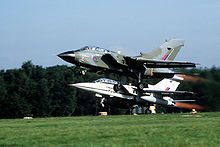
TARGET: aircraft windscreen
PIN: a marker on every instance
(108, 81)
(84, 48)
(93, 48)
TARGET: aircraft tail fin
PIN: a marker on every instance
(167, 51)
(166, 84)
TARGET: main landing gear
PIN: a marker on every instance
(140, 87)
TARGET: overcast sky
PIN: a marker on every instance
(38, 29)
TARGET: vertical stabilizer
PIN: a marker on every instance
(165, 85)
(167, 51)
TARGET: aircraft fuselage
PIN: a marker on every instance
(98, 59)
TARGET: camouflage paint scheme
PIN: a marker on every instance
(153, 64)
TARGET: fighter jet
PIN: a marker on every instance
(154, 64)
(160, 93)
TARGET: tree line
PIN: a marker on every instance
(44, 92)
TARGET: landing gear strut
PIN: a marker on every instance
(140, 87)
(102, 102)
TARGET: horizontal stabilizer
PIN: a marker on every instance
(165, 64)
(152, 63)
(171, 93)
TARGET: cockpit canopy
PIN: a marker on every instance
(108, 81)
(94, 48)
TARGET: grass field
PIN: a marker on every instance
(141, 130)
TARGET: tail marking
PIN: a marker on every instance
(165, 57)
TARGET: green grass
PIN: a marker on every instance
(141, 130)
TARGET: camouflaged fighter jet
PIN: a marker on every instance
(154, 64)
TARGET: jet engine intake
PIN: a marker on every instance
(117, 87)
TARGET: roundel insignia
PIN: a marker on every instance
(95, 59)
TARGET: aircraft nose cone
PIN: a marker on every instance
(68, 56)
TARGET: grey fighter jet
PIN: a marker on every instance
(154, 64)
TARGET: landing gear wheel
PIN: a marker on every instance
(140, 86)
